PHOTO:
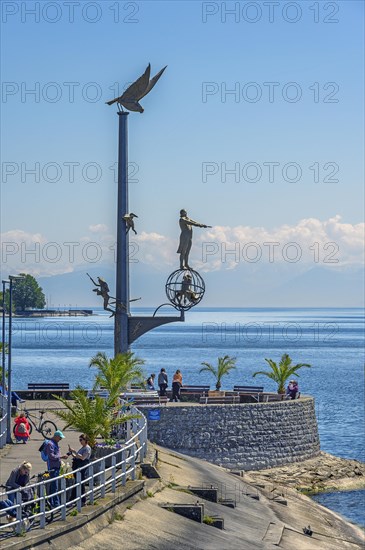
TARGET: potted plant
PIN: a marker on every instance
(281, 372)
(224, 366)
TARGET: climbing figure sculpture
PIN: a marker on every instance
(186, 237)
(129, 221)
(103, 290)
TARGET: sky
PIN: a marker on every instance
(256, 128)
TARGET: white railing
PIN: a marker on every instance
(102, 475)
(3, 417)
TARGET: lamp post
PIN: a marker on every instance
(3, 377)
(12, 279)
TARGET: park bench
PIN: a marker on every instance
(46, 387)
(220, 400)
(100, 393)
(144, 398)
(194, 391)
(253, 391)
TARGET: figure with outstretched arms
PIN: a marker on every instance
(186, 237)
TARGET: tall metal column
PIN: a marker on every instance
(8, 418)
(3, 376)
(122, 310)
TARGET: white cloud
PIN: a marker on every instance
(98, 228)
(311, 242)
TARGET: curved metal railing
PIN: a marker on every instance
(102, 475)
(3, 417)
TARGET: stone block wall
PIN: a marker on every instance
(250, 436)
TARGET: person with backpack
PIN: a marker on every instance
(53, 453)
(22, 428)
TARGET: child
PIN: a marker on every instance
(22, 428)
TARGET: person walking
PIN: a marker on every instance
(162, 382)
(176, 386)
(54, 457)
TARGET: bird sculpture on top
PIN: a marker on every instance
(136, 91)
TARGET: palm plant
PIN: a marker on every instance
(117, 373)
(224, 366)
(282, 372)
(92, 417)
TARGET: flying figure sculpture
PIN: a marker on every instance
(136, 91)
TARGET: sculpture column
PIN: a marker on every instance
(122, 269)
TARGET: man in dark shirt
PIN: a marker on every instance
(53, 453)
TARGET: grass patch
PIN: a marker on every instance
(150, 494)
(73, 513)
(208, 520)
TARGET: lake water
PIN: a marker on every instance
(331, 340)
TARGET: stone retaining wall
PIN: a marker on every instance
(250, 436)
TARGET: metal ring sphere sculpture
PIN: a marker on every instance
(185, 288)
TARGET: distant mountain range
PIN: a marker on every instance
(267, 285)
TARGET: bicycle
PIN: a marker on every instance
(44, 427)
(31, 508)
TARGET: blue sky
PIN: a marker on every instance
(180, 131)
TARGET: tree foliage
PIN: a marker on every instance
(114, 375)
(27, 294)
(282, 372)
(224, 366)
(93, 417)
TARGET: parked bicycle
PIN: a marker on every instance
(44, 427)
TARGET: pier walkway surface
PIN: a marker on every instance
(264, 517)
(12, 456)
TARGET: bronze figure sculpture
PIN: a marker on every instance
(186, 237)
(136, 91)
(103, 291)
(128, 218)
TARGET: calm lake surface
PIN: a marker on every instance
(331, 340)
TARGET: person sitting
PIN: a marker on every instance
(18, 478)
(15, 399)
(151, 382)
(292, 391)
(22, 428)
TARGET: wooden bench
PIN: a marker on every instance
(195, 391)
(253, 391)
(100, 393)
(153, 400)
(144, 398)
(45, 387)
(223, 400)
(269, 397)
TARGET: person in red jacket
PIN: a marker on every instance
(22, 428)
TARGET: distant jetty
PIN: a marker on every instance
(55, 313)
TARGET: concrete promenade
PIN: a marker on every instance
(13, 455)
(275, 520)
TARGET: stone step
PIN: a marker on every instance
(274, 533)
